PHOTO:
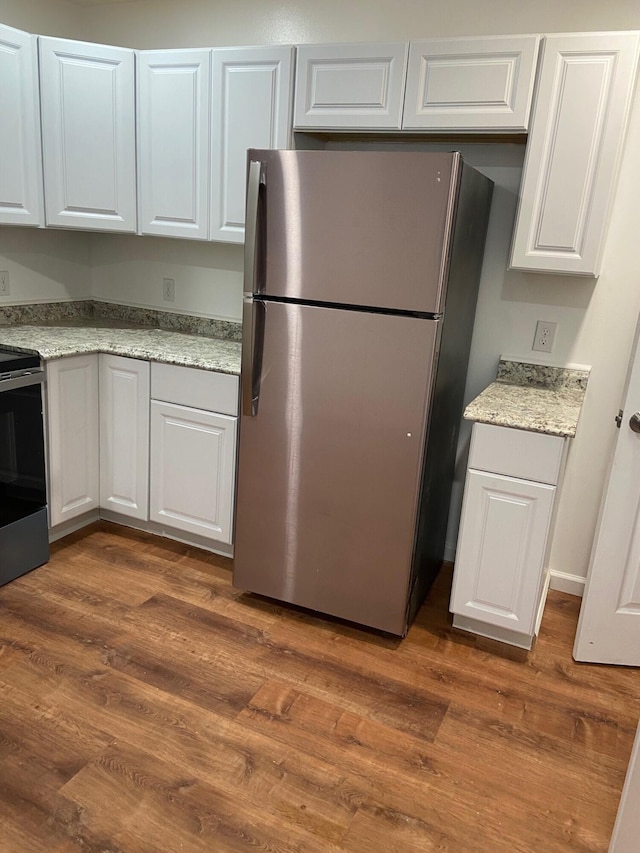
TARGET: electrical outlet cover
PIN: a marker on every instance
(545, 336)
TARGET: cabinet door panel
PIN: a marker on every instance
(252, 109)
(88, 127)
(573, 153)
(72, 394)
(21, 158)
(471, 84)
(501, 551)
(350, 85)
(192, 470)
(124, 435)
(173, 138)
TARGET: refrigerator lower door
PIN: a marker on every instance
(330, 465)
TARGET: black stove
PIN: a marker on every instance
(12, 361)
(24, 540)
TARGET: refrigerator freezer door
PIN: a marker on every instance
(329, 467)
(356, 228)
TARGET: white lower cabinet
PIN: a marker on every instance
(193, 456)
(193, 450)
(500, 576)
(170, 460)
(72, 417)
(124, 435)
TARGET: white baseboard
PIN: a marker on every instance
(564, 582)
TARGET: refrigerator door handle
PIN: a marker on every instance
(254, 179)
(248, 344)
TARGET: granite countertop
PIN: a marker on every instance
(188, 350)
(532, 397)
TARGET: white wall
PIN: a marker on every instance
(596, 319)
(129, 270)
(192, 23)
(48, 17)
(45, 265)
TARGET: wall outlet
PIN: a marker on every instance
(5, 290)
(545, 335)
(169, 289)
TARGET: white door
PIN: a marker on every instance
(21, 157)
(609, 624)
(626, 831)
(251, 108)
(124, 435)
(88, 133)
(173, 139)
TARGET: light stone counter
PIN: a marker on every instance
(531, 397)
(188, 350)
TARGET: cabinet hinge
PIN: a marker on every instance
(619, 418)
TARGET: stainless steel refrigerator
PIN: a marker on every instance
(361, 278)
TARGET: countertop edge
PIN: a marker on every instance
(552, 409)
(164, 347)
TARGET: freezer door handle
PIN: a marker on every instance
(254, 178)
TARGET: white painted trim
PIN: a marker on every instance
(168, 533)
(543, 601)
(67, 527)
(493, 632)
(73, 524)
(564, 582)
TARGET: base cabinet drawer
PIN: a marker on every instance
(192, 470)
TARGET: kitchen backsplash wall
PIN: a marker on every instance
(89, 311)
(45, 265)
(50, 266)
(129, 270)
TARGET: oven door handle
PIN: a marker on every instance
(21, 381)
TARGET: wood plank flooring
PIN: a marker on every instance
(146, 705)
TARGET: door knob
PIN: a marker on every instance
(634, 422)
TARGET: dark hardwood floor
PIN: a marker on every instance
(146, 705)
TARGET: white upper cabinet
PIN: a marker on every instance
(88, 129)
(21, 157)
(354, 86)
(470, 84)
(578, 127)
(251, 97)
(173, 142)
